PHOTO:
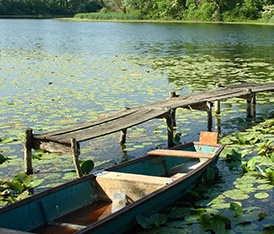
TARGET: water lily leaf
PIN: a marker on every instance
(2, 158)
(240, 138)
(144, 222)
(261, 195)
(218, 226)
(192, 219)
(246, 227)
(179, 212)
(265, 187)
(23, 179)
(35, 183)
(87, 166)
(6, 140)
(268, 228)
(16, 186)
(158, 219)
(236, 209)
(23, 195)
(262, 215)
(205, 219)
(236, 194)
(233, 156)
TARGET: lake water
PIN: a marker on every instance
(106, 38)
(55, 73)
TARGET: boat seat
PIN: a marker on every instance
(135, 186)
(179, 153)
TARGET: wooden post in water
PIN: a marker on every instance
(27, 151)
(254, 105)
(250, 104)
(218, 123)
(123, 136)
(170, 124)
(217, 106)
(209, 116)
(75, 156)
(217, 103)
(173, 111)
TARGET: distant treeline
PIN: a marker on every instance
(48, 7)
(202, 10)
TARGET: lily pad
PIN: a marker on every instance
(261, 195)
(236, 194)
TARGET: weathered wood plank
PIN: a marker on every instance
(128, 121)
(179, 153)
(108, 118)
(131, 117)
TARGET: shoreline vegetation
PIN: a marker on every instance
(216, 11)
(161, 21)
(106, 19)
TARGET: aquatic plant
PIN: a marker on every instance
(19, 187)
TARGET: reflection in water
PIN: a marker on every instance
(138, 38)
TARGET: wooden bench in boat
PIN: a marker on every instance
(135, 186)
(180, 153)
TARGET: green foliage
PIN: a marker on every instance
(155, 220)
(6, 140)
(50, 7)
(2, 158)
(107, 16)
(268, 13)
(236, 209)
(268, 173)
(203, 10)
(218, 223)
(233, 156)
(267, 149)
(87, 166)
(18, 188)
(250, 166)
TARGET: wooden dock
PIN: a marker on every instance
(68, 140)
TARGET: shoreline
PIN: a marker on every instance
(72, 19)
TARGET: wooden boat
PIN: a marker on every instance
(110, 201)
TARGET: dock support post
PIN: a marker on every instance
(173, 111)
(170, 124)
(209, 116)
(123, 136)
(254, 105)
(75, 156)
(217, 107)
(27, 151)
(250, 104)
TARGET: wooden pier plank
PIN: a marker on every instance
(106, 128)
(134, 116)
(60, 140)
(108, 118)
